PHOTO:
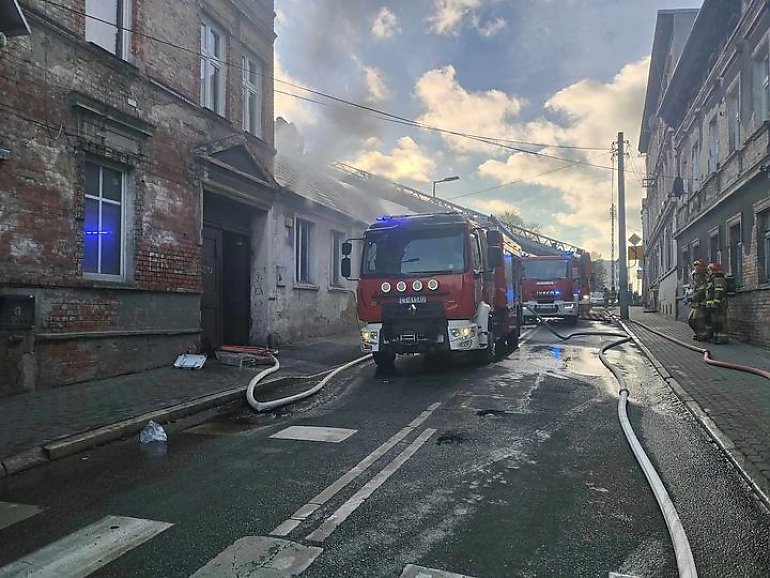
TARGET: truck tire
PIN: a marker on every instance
(383, 359)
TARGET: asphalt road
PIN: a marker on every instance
(518, 468)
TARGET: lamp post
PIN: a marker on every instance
(446, 180)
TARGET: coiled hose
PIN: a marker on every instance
(684, 558)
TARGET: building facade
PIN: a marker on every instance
(714, 120)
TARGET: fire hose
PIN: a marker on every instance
(684, 558)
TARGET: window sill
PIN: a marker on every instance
(306, 287)
(338, 289)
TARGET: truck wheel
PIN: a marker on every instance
(384, 360)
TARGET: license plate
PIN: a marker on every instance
(412, 299)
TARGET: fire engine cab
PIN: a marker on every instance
(557, 286)
(437, 283)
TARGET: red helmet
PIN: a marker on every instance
(715, 267)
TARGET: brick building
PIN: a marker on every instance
(134, 201)
(707, 133)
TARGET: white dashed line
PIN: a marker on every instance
(11, 514)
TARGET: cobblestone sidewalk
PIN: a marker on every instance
(738, 403)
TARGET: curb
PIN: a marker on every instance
(56, 449)
(748, 471)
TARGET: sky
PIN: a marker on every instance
(559, 78)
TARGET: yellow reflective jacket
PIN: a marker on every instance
(716, 292)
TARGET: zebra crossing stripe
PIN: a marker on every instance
(260, 557)
(11, 513)
(85, 551)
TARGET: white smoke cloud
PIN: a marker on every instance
(385, 24)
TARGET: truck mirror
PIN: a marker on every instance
(347, 248)
(494, 257)
(494, 237)
(345, 267)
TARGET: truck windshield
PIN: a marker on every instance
(408, 253)
(550, 269)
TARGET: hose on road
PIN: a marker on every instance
(684, 558)
(276, 403)
(706, 353)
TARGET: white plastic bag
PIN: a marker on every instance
(153, 432)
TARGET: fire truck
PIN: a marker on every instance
(438, 282)
(557, 286)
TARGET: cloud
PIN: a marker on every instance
(406, 162)
(591, 114)
(449, 15)
(492, 27)
(449, 106)
(375, 85)
(385, 24)
(291, 108)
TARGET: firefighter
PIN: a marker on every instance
(698, 318)
(716, 303)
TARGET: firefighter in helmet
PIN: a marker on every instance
(699, 315)
(716, 302)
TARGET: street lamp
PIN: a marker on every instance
(446, 180)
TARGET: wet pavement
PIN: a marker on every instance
(516, 469)
(737, 403)
(31, 419)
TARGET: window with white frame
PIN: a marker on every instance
(337, 240)
(695, 165)
(713, 159)
(761, 88)
(108, 24)
(103, 223)
(715, 251)
(734, 114)
(735, 248)
(303, 252)
(213, 70)
(252, 94)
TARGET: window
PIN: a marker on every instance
(389, 254)
(715, 253)
(734, 115)
(684, 270)
(108, 23)
(713, 160)
(476, 247)
(302, 250)
(252, 95)
(763, 233)
(103, 222)
(695, 164)
(213, 73)
(761, 85)
(735, 251)
(337, 240)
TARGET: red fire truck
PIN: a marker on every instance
(557, 286)
(437, 283)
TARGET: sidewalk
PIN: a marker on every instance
(734, 406)
(29, 422)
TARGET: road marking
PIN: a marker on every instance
(11, 513)
(314, 434)
(346, 509)
(87, 550)
(616, 575)
(413, 571)
(285, 528)
(260, 557)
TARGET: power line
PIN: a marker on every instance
(522, 180)
(493, 141)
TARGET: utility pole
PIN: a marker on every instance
(623, 272)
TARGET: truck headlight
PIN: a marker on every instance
(463, 332)
(367, 335)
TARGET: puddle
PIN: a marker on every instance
(453, 437)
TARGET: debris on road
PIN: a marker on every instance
(153, 432)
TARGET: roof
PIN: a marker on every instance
(408, 222)
(671, 31)
(321, 185)
(710, 31)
